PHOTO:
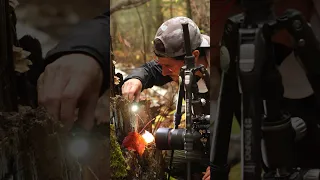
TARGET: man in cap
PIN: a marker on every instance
(170, 52)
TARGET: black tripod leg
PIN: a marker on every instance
(308, 48)
(177, 116)
(252, 57)
(228, 92)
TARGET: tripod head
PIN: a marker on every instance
(257, 11)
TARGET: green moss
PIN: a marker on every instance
(171, 178)
(235, 126)
(118, 164)
(235, 172)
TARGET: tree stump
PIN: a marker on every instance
(33, 148)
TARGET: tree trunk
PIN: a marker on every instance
(148, 26)
(189, 11)
(35, 149)
(8, 93)
(158, 13)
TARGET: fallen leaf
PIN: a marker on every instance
(126, 43)
(134, 141)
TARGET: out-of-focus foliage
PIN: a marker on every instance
(133, 30)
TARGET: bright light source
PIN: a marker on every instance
(79, 147)
(134, 108)
(148, 137)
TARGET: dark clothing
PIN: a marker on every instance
(91, 38)
(150, 74)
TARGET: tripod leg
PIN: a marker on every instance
(177, 116)
(308, 48)
(228, 92)
(252, 58)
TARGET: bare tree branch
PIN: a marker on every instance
(143, 37)
(127, 4)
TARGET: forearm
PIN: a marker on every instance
(91, 38)
(150, 74)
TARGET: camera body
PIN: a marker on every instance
(173, 139)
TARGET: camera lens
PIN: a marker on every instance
(168, 139)
(173, 139)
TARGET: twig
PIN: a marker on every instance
(171, 12)
(127, 4)
(144, 40)
(143, 37)
(161, 119)
(146, 125)
(95, 176)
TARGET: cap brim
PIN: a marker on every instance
(205, 42)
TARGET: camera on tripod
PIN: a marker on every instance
(173, 138)
(196, 133)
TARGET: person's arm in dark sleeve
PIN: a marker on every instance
(150, 74)
(91, 38)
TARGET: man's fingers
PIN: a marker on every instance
(52, 90)
(130, 91)
(125, 90)
(40, 91)
(131, 95)
(137, 97)
(69, 100)
(87, 112)
(207, 174)
(206, 177)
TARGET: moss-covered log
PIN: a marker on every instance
(148, 166)
(118, 164)
(127, 164)
(32, 148)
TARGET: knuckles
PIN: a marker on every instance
(52, 67)
(49, 99)
(53, 98)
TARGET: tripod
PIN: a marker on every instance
(250, 78)
(188, 89)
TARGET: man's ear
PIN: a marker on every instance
(196, 54)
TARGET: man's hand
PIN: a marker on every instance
(207, 174)
(131, 89)
(72, 81)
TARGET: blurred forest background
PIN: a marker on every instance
(51, 20)
(133, 29)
